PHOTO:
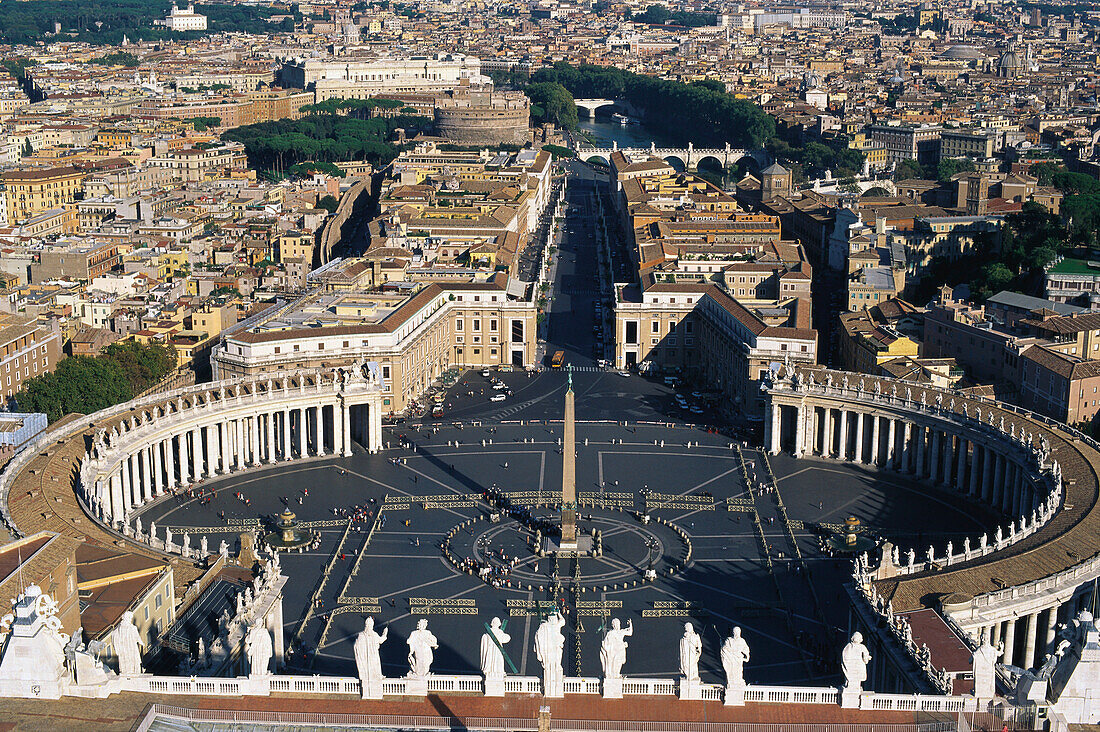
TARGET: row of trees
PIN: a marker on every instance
(105, 23)
(326, 138)
(660, 15)
(703, 114)
(84, 384)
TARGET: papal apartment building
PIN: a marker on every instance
(414, 339)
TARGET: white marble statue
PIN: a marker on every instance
(549, 645)
(492, 655)
(735, 654)
(613, 648)
(984, 663)
(368, 663)
(691, 649)
(259, 648)
(853, 660)
(127, 644)
(421, 646)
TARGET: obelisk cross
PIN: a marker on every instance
(569, 470)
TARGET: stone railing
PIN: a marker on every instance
(898, 625)
(1084, 572)
(1002, 539)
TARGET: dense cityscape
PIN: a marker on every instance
(550, 366)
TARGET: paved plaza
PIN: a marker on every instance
(437, 534)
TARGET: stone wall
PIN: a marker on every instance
(498, 124)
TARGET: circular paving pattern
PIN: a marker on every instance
(502, 552)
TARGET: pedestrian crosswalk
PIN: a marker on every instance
(587, 369)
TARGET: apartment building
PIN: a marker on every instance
(191, 164)
(864, 345)
(954, 329)
(920, 143)
(34, 191)
(977, 143)
(75, 260)
(27, 349)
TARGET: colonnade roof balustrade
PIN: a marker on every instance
(1068, 541)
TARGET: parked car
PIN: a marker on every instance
(497, 398)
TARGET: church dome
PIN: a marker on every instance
(1010, 60)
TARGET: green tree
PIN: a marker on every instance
(907, 170)
(85, 385)
(1074, 183)
(1045, 171)
(555, 103)
(329, 203)
(949, 167)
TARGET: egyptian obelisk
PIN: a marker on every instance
(569, 474)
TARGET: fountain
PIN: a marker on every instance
(851, 539)
(287, 534)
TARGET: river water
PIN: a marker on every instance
(606, 130)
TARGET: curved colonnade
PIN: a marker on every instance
(148, 447)
(1016, 586)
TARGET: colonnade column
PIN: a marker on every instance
(286, 434)
(891, 443)
(907, 447)
(799, 429)
(999, 476)
(857, 452)
(773, 429)
(345, 418)
(269, 452)
(144, 463)
(1029, 640)
(127, 495)
(320, 430)
(117, 509)
(1022, 506)
(987, 474)
(241, 450)
(842, 443)
(921, 435)
(975, 472)
(376, 426)
(874, 439)
(1009, 640)
(254, 439)
(301, 431)
(196, 453)
(223, 443)
(158, 469)
(937, 449)
(960, 471)
(1052, 623)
